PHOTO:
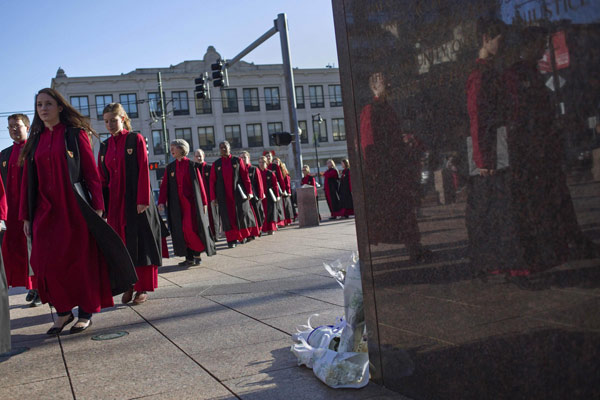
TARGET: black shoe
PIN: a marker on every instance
(250, 238)
(77, 329)
(56, 330)
(244, 241)
(231, 245)
(186, 263)
(30, 295)
(36, 302)
(197, 261)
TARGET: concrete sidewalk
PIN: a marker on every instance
(217, 331)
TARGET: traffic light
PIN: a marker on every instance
(202, 91)
(281, 138)
(217, 73)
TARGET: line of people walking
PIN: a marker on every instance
(76, 232)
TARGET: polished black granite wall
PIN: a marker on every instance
(523, 320)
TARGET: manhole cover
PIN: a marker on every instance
(14, 352)
(110, 336)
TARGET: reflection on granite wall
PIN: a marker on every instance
(472, 129)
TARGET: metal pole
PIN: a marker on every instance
(252, 46)
(281, 24)
(163, 117)
(317, 157)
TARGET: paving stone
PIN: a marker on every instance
(50, 388)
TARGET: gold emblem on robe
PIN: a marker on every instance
(70, 153)
(3, 164)
(102, 158)
(172, 173)
(130, 151)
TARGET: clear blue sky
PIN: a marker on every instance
(109, 37)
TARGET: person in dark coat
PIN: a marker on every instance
(257, 188)
(272, 195)
(493, 244)
(332, 187)
(14, 246)
(204, 169)
(130, 208)
(79, 260)
(346, 203)
(182, 191)
(231, 189)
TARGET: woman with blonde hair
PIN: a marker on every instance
(130, 211)
(272, 195)
(72, 245)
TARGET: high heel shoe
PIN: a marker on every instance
(56, 330)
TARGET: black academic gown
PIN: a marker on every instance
(255, 202)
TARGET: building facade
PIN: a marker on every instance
(244, 113)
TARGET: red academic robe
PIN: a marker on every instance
(310, 180)
(346, 194)
(269, 224)
(65, 257)
(14, 244)
(279, 175)
(185, 192)
(332, 174)
(115, 163)
(234, 233)
(3, 202)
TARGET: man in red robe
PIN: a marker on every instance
(231, 189)
(14, 245)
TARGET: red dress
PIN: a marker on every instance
(14, 244)
(65, 257)
(115, 163)
(185, 192)
(234, 233)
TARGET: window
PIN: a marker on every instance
(304, 134)
(206, 137)
(180, 103)
(320, 130)
(255, 138)
(316, 96)
(251, 100)
(273, 127)
(154, 104)
(339, 129)
(102, 101)
(300, 97)
(230, 102)
(81, 104)
(272, 98)
(335, 95)
(185, 134)
(234, 136)
(129, 103)
(203, 106)
(157, 142)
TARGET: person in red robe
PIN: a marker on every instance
(182, 191)
(74, 252)
(346, 203)
(257, 189)
(270, 155)
(204, 169)
(308, 179)
(14, 245)
(392, 181)
(5, 342)
(130, 210)
(285, 184)
(332, 186)
(272, 195)
(231, 189)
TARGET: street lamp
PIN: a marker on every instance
(317, 118)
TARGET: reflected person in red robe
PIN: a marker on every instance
(14, 244)
(182, 191)
(231, 189)
(123, 161)
(65, 255)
